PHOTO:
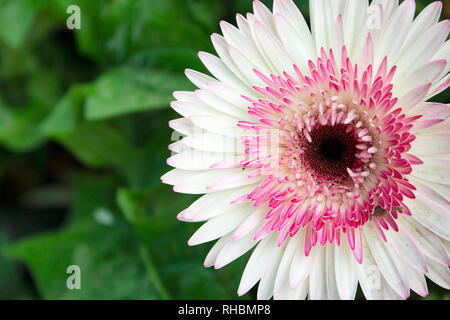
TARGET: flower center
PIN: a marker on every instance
(331, 151)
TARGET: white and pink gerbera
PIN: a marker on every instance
(318, 149)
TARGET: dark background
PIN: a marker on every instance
(83, 143)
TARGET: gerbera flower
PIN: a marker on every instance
(318, 149)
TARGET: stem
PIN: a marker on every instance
(153, 273)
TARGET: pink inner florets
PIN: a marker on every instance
(332, 151)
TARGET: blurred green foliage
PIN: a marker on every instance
(83, 143)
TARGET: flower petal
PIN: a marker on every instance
(346, 278)
(387, 263)
(431, 215)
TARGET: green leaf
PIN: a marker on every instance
(97, 144)
(19, 129)
(113, 30)
(6, 116)
(44, 87)
(67, 114)
(12, 285)
(135, 205)
(104, 253)
(16, 17)
(129, 90)
(148, 165)
(92, 193)
(167, 58)
(132, 205)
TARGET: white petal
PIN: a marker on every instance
(426, 18)
(198, 160)
(387, 263)
(229, 94)
(431, 110)
(263, 14)
(220, 208)
(219, 226)
(393, 35)
(219, 125)
(430, 193)
(389, 7)
(218, 68)
(369, 276)
(431, 215)
(432, 169)
(219, 104)
(368, 53)
(245, 43)
(176, 176)
(215, 250)
(444, 54)
(446, 245)
(301, 265)
(389, 293)
(289, 11)
(218, 201)
(321, 22)
(317, 277)
(425, 239)
(430, 144)
(439, 87)
(185, 96)
(442, 189)
(417, 281)
(178, 146)
(182, 125)
(188, 109)
(337, 37)
(346, 278)
(424, 48)
(283, 290)
(198, 181)
(355, 16)
(238, 179)
(216, 88)
(439, 125)
(338, 7)
(245, 65)
(213, 142)
(199, 79)
(428, 73)
(233, 250)
(439, 274)
(413, 97)
(221, 46)
(332, 290)
(299, 46)
(406, 247)
(273, 49)
(254, 220)
(257, 263)
(267, 283)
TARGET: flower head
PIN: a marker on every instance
(318, 149)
